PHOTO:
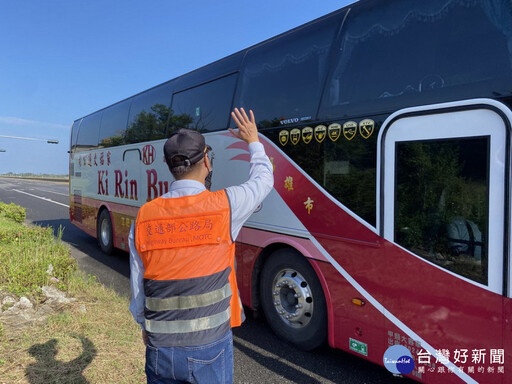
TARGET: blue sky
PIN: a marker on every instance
(62, 59)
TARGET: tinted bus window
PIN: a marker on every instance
(74, 133)
(89, 132)
(204, 108)
(282, 79)
(411, 52)
(113, 124)
(442, 200)
(149, 114)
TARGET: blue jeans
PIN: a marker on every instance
(206, 363)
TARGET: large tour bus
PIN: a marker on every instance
(388, 125)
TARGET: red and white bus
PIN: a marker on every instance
(388, 124)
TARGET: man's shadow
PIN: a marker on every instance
(49, 370)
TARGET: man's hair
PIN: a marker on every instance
(181, 171)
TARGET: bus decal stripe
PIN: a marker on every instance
(243, 157)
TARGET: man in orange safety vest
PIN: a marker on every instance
(182, 260)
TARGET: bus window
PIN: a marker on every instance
(204, 108)
(149, 114)
(74, 133)
(282, 79)
(345, 167)
(113, 124)
(441, 203)
(89, 132)
(413, 52)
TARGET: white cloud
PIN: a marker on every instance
(17, 121)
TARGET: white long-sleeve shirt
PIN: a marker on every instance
(243, 200)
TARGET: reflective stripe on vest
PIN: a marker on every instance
(188, 302)
(185, 326)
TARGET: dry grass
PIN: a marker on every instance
(100, 345)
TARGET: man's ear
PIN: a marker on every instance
(207, 162)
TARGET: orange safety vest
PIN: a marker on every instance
(189, 257)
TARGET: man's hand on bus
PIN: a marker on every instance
(247, 130)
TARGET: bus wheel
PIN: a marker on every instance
(105, 237)
(293, 300)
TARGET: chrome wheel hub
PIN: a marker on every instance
(105, 232)
(292, 297)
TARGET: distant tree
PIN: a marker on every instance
(149, 126)
(112, 141)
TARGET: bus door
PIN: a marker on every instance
(443, 174)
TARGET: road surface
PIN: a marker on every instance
(260, 357)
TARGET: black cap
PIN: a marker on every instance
(186, 143)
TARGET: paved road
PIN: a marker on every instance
(260, 357)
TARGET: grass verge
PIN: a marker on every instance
(93, 340)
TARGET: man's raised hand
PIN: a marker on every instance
(247, 130)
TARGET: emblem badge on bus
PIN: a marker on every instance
(295, 136)
(349, 130)
(366, 128)
(320, 133)
(283, 137)
(148, 154)
(334, 132)
(307, 134)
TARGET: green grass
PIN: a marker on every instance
(30, 258)
(13, 212)
(99, 345)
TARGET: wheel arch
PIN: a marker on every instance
(105, 207)
(262, 258)
(101, 208)
(258, 267)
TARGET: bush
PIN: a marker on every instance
(13, 212)
(31, 257)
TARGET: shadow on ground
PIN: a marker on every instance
(47, 369)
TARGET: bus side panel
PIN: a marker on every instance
(507, 344)
(84, 215)
(364, 324)
(444, 310)
(246, 258)
(122, 217)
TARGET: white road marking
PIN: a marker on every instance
(57, 193)
(42, 198)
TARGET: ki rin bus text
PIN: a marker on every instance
(124, 186)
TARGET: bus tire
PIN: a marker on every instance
(293, 300)
(105, 233)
